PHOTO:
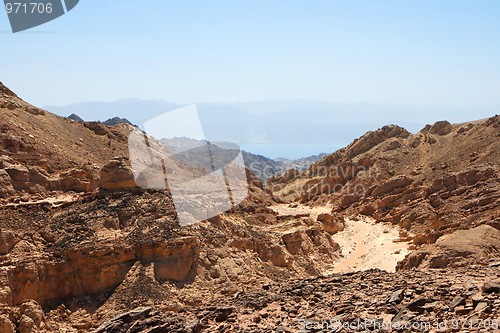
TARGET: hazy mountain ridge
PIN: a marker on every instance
(263, 167)
(263, 124)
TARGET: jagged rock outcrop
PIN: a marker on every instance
(332, 223)
(77, 180)
(18, 177)
(97, 127)
(117, 175)
(459, 249)
(441, 128)
(372, 139)
(444, 178)
(90, 271)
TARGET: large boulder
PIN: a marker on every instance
(441, 128)
(7, 241)
(78, 180)
(32, 317)
(19, 174)
(96, 127)
(331, 223)
(374, 138)
(117, 175)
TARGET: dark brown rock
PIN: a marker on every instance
(441, 128)
(491, 287)
(96, 127)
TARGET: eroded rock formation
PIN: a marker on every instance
(83, 249)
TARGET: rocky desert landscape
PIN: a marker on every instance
(397, 232)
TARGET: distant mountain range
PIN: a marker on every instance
(110, 122)
(115, 121)
(290, 129)
(75, 118)
(263, 167)
(211, 154)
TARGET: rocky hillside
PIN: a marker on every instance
(84, 249)
(444, 178)
(80, 242)
(43, 153)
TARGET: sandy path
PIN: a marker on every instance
(367, 245)
(364, 244)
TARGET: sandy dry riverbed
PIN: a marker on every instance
(364, 244)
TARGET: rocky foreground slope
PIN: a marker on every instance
(462, 300)
(83, 249)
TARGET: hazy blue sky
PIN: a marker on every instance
(416, 53)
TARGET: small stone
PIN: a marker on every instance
(462, 310)
(430, 306)
(477, 298)
(481, 307)
(409, 293)
(459, 300)
(491, 288)
(397, 297)
(417, 305)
